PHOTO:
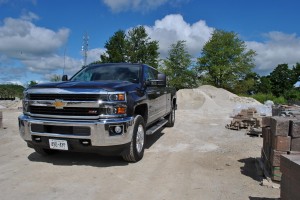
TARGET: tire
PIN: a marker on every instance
(171, 118)
(137, 145)
(43, 152)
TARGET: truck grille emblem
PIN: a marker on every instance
(59, 104)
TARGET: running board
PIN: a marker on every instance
(157, 126)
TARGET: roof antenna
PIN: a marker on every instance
(64, 61)
(84, 48)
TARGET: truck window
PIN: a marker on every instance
(150, 74)
(110, 72)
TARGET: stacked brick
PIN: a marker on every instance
(290, 180)
(281, 136)
(1, 117)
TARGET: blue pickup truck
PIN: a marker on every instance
(103, 108)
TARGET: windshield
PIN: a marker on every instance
(111, 72)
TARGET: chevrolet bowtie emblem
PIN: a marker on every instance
(59, 104)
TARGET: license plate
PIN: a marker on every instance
(58, 144)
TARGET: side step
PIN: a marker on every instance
(157, 126)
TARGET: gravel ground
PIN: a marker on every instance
(196, 159)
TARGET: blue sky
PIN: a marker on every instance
(36, 34)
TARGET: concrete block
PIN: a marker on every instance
(266, 132)
(1, 119)
(290, 165)
(290, 180)
(295, 144)
(266, 121)
(280, 126)
(281, 143)
(295, 128)
(275, 157)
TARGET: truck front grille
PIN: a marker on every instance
(68, 111)
(69, 97)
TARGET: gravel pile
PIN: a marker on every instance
(211, 100)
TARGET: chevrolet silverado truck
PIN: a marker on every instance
(103, 108)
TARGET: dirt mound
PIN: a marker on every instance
(210, 100)
(15, 104)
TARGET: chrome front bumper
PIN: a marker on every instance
(99, 133)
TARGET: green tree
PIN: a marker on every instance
(248, 85)
(296, 73)
(140, 47)
(282, 80)
(116, 48)
(264, 85)
(32, 83)
(11, 91)
(135, 47)
(177, 66)
(225, 60)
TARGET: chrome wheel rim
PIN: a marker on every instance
(140, 139)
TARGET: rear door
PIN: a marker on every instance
(156, 96)
(152, 93)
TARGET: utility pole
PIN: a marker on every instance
(84, 48)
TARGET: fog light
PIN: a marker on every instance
(118, 129)
(115, 130)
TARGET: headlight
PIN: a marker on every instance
(113, 109)
(25, 102)
(117, 97)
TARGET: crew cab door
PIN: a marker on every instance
(156, 96)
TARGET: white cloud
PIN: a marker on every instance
(138, 5)
(33, 48)
(279, 48)
(20, 37)
(29, 16)
(94, 55)
(172, 28)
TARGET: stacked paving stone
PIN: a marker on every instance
(290, 180)
(1, 118)
(281, 136)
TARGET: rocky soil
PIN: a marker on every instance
(196, 159)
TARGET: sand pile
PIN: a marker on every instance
(15, 104)
(211, 100)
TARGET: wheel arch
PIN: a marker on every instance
(142, 109)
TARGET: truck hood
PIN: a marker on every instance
(103, 85)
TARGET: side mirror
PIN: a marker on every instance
(162, 78)
(161, 81)
(64, 78)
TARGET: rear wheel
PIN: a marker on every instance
(136, 149)
(171, 118)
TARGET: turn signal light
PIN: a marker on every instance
(121, 110)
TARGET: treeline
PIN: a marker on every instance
(224, 62)
(10, 91)
(278, 86)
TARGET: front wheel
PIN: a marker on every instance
(136, 149)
